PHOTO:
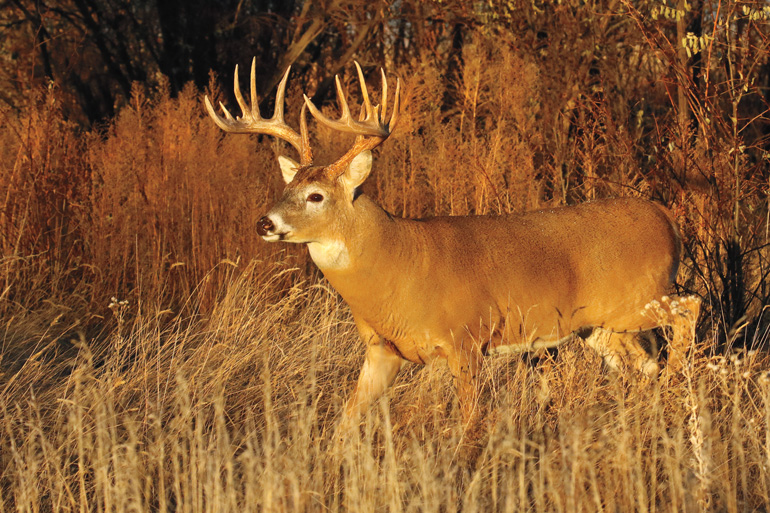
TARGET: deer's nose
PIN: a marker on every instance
(265, 226)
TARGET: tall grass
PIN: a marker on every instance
(156, 355)
(237, 411)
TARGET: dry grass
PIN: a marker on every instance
(237, 412)
(214, 378)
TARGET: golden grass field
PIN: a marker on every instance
(156, 355)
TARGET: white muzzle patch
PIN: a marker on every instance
(281, 230)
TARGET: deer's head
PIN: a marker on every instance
(317, 200)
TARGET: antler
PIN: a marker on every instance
(371, 129)
(250, 122)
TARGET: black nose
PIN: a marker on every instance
(264, 226)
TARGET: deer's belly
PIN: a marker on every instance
(421, 335)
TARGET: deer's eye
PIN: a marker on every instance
(315, 198)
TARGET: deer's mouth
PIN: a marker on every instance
(274, 237)
(279, 237)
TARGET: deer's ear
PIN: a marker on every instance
(358, 170)
(288, 168)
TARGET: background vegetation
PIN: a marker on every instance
(155, 354)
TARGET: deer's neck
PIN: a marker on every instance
(371, 246)
(330, 256)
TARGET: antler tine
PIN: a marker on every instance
(246, 112)
(396, 106)
(364, 92)
(385, 93)
(252, 122)
(253, 89)
(396, 102)
(341, 100)
(228, 116)
(279, 96)
(305, 154)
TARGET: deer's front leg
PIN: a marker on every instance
(380, 368)
(465, 365)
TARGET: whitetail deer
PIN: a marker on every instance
(458, 288)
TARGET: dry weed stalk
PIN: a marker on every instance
(680, 315)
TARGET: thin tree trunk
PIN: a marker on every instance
(681, 89)
(681, 32)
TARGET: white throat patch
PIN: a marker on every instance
(329, 255)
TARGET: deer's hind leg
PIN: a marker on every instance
(621, 350)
